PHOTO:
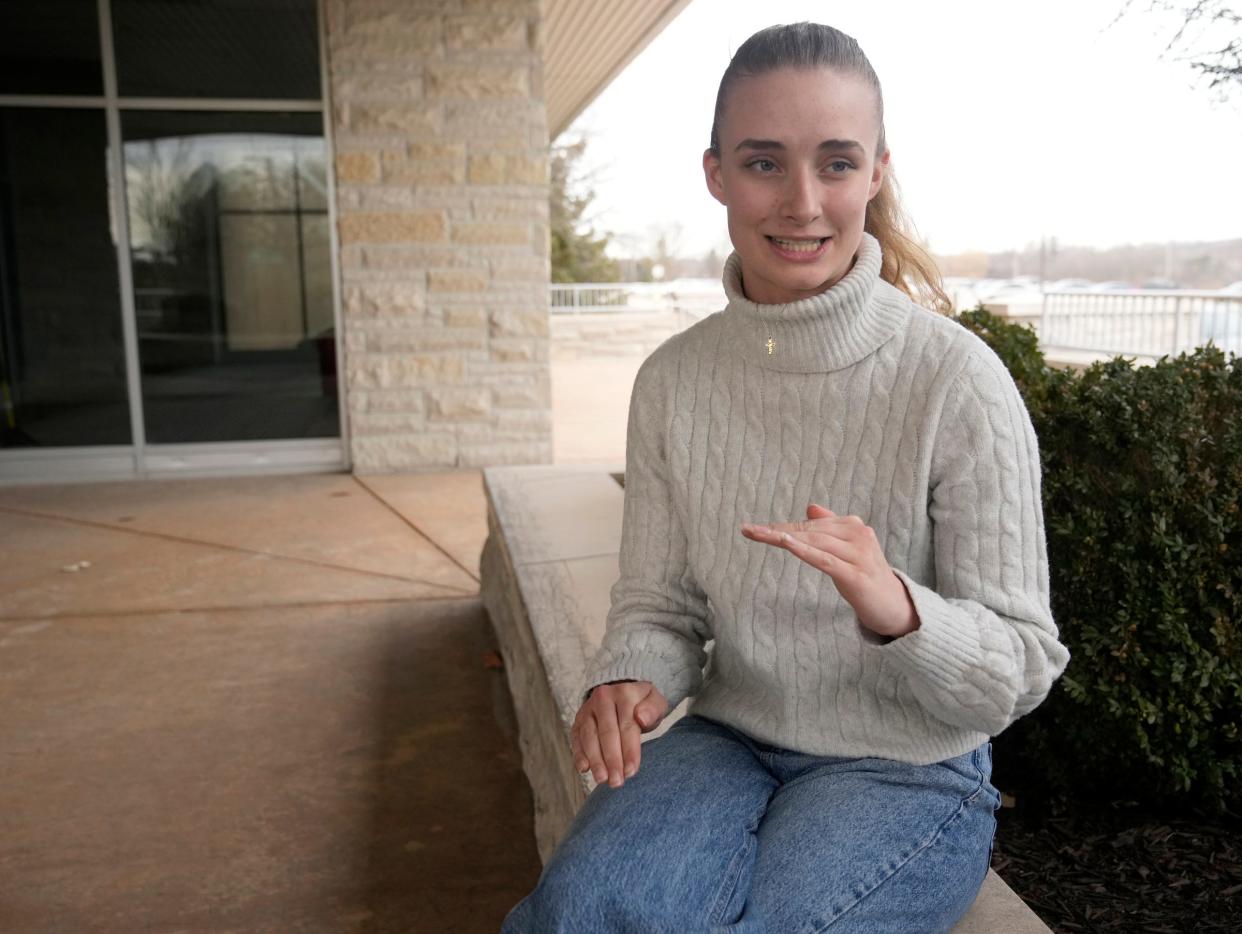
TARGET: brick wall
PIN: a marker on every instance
(441, 140)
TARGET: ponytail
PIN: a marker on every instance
(905, 263)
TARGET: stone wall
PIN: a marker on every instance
(441, 142)
(614, 334)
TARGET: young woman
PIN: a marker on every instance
(841, 488)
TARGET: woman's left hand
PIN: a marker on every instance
(846, 549)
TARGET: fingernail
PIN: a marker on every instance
(629, 771)
(614, 780)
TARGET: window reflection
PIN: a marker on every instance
(229, 239)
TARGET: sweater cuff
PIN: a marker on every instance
(673, 679)
(944, 651)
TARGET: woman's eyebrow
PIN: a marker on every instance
(759, 144)
(838, 145)
(832, 145)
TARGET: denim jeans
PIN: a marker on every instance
(720, 833)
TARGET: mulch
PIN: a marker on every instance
(1122, 869)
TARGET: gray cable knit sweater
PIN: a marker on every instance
(860, 401)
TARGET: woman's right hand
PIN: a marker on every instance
(607, 733)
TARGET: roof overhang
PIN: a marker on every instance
(587, 43)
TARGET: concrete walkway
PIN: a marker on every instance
(590, 407)
(254, 705)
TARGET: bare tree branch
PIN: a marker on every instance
(1208, 37)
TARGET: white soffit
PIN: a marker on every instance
(587, 43)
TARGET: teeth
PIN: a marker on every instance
(798, 246)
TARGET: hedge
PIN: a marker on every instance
(1142, 477)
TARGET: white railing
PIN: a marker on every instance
(692, 299)
(1140, 323)
(584, 297)
(1147, 324)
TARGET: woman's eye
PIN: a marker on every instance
(839, 166)
(764, 165)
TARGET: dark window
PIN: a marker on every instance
(62, 362)
(217, 48)
(50, 47)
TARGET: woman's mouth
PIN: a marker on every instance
(801, 248)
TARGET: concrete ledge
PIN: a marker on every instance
(548, 566)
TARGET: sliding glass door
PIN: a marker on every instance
(229, 249)
(166, 268)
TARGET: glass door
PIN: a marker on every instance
(167, 287)
(228, 232)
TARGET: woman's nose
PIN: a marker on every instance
(801, 198)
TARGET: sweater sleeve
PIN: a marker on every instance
(986, 651)
(657, 624)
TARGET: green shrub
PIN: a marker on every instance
(1142, 481)
(1015, 344)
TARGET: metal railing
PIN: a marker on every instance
(635, 297)
(582, 297)
(1140, 323)
(1136, 323)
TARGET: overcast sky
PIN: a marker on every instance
(1006, 120)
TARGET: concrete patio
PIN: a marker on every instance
(257, 704)
(273, 703)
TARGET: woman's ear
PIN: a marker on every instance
(711, 171)
(877, 175)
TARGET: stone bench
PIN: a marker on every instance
(548, 566)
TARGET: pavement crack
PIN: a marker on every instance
(431, 541)
(239, 549)
(232, 608)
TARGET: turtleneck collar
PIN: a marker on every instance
(829, 331)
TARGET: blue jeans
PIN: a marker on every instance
(720, 833)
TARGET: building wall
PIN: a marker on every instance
(441, 145)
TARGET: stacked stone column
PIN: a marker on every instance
(441, 142)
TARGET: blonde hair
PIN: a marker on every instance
(906, 264)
